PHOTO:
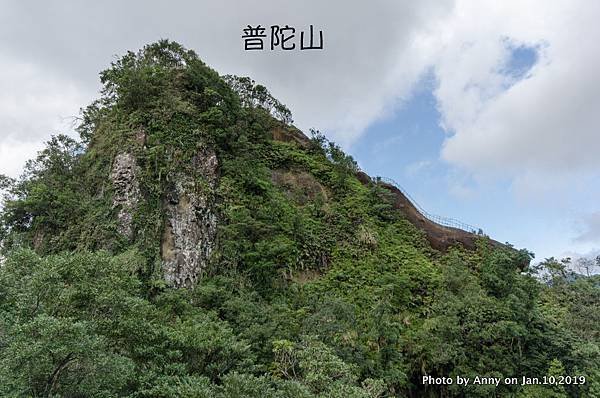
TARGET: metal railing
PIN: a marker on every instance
(443, 221)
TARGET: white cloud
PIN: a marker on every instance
(372, 57)
(416, 168)
(590, 228)
(13, 155)
(33, 105)
(374, 54)
(546, 123)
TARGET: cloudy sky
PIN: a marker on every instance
(485, 111)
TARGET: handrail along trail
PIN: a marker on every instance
(443, 221)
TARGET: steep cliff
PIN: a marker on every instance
(189, 235)
(126, 190)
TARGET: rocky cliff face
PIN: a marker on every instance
(126, 191)
(190, 222)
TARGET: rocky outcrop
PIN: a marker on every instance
(126, 191)
(287, 133)
(190, 222)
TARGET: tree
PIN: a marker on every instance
(587, 266)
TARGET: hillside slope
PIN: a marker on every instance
(195, 244)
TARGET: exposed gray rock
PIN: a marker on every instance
(126, 190)
(191, 224)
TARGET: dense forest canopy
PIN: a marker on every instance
(316, 286)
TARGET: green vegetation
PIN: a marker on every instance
(317, 286)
